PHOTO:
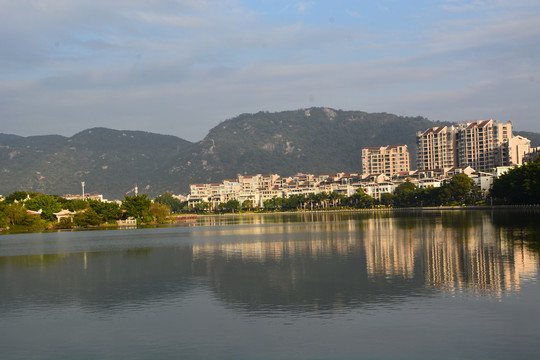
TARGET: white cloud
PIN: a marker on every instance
(303, 5)
(180, 21)
(180, 67)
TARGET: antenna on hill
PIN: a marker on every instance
(82, 183)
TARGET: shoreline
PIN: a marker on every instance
(194, 217)
(411, 209)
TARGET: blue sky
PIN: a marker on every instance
(181, 67)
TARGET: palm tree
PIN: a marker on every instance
(311, 198)
(335, 197)
(323, 199)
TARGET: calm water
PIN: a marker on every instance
(432, 285)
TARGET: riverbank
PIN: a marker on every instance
(427, 208)
(192, 220)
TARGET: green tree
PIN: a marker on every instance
(49, 205)
(202, 206)
(275, 203)
(360, 200)
(15, 216)
(18, 196)
(311, 200)
(322, 199)
(159, 212)
(16, 213)
(292, 202)
(336, 198)
(247, 205)
(75, 205)
(520, 185)
(173, 203)
(461, 187)
(88, 217)
(232, 205)
(405, 194)
(429, 196)
(387, 199)
(107, 211)
(136, 206)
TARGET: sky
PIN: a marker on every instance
(180, 67)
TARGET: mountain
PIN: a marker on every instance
(113, 162)
(315, 140)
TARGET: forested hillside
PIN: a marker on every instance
(113, 162)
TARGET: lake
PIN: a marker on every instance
(385, 285)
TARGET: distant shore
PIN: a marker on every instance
(191, 219)
(426, 208)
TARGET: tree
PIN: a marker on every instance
(49, 205)
(173, 203)
(16, 213)
(360, 200)
(274, 203)
(18, 196)
(136, 206)
(232, 205)
(293, 202)
(460, 188)
(387, 199)
(520, 185)
(107, 211)
(88, 217)
(431, 196)
(159, 212)
(247, 205)
(202, 206)
(405, 194)
(76, 204)
(311, 198)
(322, 199)
(336, 198)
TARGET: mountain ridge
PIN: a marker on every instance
(113, 162)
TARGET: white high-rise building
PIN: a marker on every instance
(482, 145)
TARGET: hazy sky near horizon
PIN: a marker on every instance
(181, 67)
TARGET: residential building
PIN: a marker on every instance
(386, 160)
(97, 197)
(435, 148)
(514, 151)
(482, 145)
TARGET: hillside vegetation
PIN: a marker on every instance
(113, 162)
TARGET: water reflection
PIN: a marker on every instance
(296, 262)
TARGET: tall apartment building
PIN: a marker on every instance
(514, 151)
(482, 145)
(387, 160)
(435, 148)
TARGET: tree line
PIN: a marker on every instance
(27, 211)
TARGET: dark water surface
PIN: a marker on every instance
(416, 285)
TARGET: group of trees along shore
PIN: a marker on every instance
(28, 211)
(32, 211)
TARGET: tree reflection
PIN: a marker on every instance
(294, 263)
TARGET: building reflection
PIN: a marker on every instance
(472, 257)
(324, 261)
(485, 259)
